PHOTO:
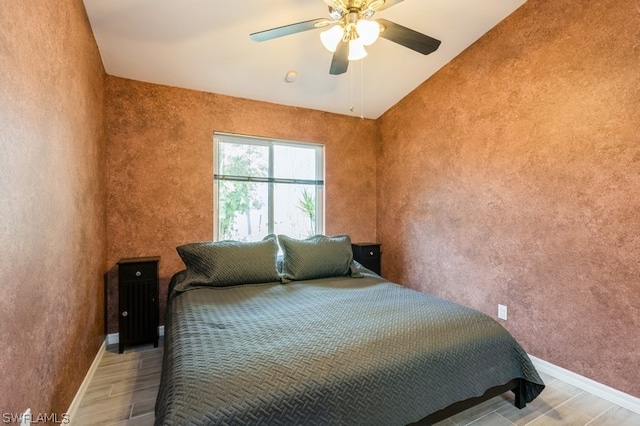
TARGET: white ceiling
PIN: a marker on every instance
(204, 45)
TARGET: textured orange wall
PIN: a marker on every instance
(52, 203)
(160, 163)
(512, 176)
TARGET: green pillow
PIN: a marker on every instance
(316, 257)
(227, 263)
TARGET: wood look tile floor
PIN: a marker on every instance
(124, 389)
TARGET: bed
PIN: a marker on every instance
(316, 339)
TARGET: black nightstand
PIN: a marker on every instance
(368, 255)
(138, 301)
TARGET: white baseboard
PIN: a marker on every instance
(109, 340)
(114, 338)
(598, 389)
(75, 404)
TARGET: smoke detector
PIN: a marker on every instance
(291, 76)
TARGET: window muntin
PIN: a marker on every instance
(265, 186)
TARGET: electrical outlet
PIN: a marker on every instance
(25, 420)
(502, 312)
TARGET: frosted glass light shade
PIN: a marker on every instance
(331, 37)
(368, 31)
(356, 50)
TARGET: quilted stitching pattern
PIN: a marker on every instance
(329, 351)
(227, 263)
(315, 257)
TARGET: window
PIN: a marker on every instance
(266, 186)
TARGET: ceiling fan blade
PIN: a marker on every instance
(289, 29)
(340, 61)
(408, 37)
(387, 4)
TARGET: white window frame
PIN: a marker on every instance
(270, 179)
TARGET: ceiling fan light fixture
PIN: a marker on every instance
(351, 28)
(336, 13)
(368, 31)
(331, 37)
(356, 50)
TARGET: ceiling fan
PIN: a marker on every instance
(351, 28)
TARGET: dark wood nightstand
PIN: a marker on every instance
(368, 255)
(138, 301)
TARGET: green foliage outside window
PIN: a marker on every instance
(307, 203)
(264, 186)
(238, 198)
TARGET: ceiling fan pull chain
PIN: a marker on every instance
(362, 89)
(351, 108)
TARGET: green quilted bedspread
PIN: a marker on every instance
(338, 351)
